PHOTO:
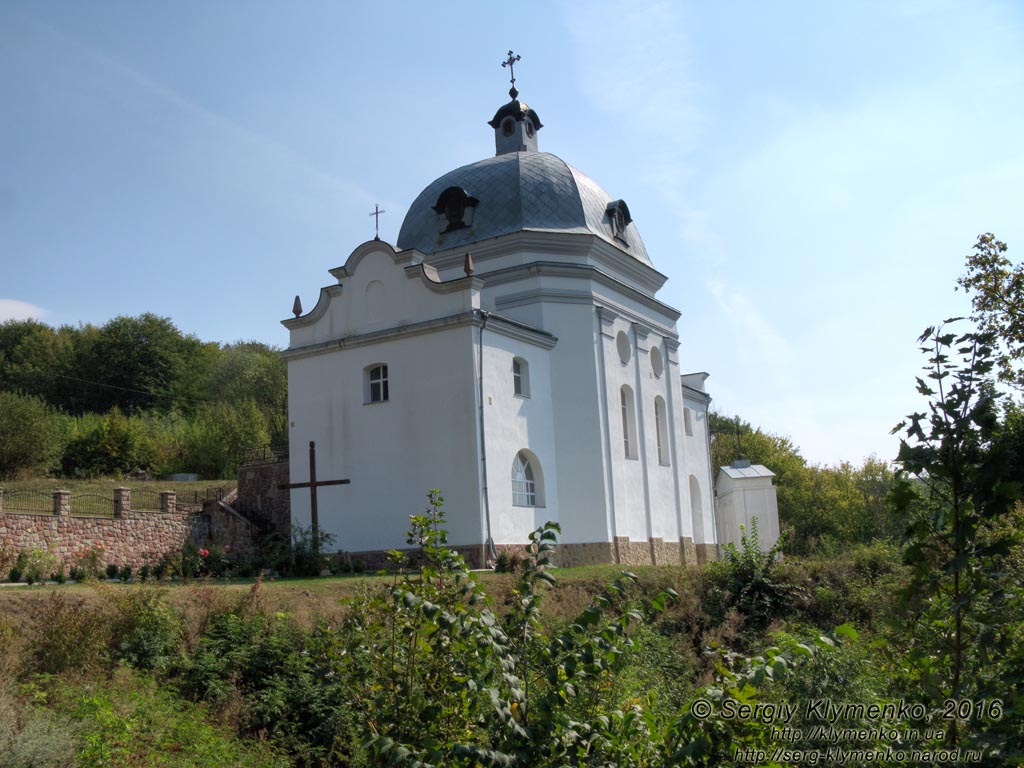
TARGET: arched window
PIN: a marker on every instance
(520, 377)
(628, 421)
(527, 486)
(377, 383)
(661, 426)
(697, 508)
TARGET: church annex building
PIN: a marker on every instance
(512, 352)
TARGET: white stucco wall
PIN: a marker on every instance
(514, 423)
(394, 452)
(740, 500)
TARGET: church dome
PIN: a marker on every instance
(516, 191)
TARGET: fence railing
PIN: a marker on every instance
(145, 500)
(91, 505)
(264, 454)
(97, 505)
(32, 502)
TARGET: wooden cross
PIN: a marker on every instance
(510, 62)
(376, 224)
(314, 520)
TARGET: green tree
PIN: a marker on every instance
(839, 505)
(219, 433)
(251, 370)
(144, 362)
(996, 286)
(108, 444)
(951, 485)
(33, 358)
(31, 435)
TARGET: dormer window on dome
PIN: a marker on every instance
(455, 207)
(619, 218)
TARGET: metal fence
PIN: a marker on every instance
(195, 499)
(35, 502)
(92, 505)
(146, 501)
(264, 454)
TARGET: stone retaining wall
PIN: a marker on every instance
(260, 497)
(130, 537)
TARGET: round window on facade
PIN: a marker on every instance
(657, 364)
(622, 345)
(508, 127)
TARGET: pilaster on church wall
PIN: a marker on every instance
(514, 423)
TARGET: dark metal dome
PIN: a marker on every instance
(515, 192)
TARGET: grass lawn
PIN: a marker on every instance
(307, 600)
(105, 486)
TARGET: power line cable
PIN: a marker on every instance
(129, 389)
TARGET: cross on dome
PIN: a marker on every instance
(515, 124)
(510, 62)
(376, 212)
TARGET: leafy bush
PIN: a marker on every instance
(111, 444)
(298, 555)
(36, 563)
(112, 570)
(89, 563)
(752, 582)
(146, 631)
(67, 634)
(31, 435)
(31, 737)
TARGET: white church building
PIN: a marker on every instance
(511, 351)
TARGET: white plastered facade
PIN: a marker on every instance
(545, 311)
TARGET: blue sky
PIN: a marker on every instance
(808, 175)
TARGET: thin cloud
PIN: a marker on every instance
(236, 133)
(12, 309)
(638, 69)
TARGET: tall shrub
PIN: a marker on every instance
(31, 435)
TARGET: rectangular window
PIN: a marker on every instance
(661, 427)
(379, 384)
(628, 422)
(517, 377)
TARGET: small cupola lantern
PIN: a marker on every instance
(515, 124)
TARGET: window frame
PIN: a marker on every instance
(661, 431)
(378, 384)
(526, 487)
(629, 432)
(520, 377)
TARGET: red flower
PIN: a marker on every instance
(204, 553)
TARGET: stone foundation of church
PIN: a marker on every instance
(688, 550)
(378, 559)
(706, 553)
(571, 555)
(622, 551)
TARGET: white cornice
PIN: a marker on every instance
(327, 293)
(475, 317)
(545, 243)
(585, 271)
(401, 258)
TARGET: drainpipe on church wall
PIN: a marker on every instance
(489, 551)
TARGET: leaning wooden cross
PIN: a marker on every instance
(314, 520)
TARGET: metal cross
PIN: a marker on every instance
(314, 518)
(510, 62)
(376, 224)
